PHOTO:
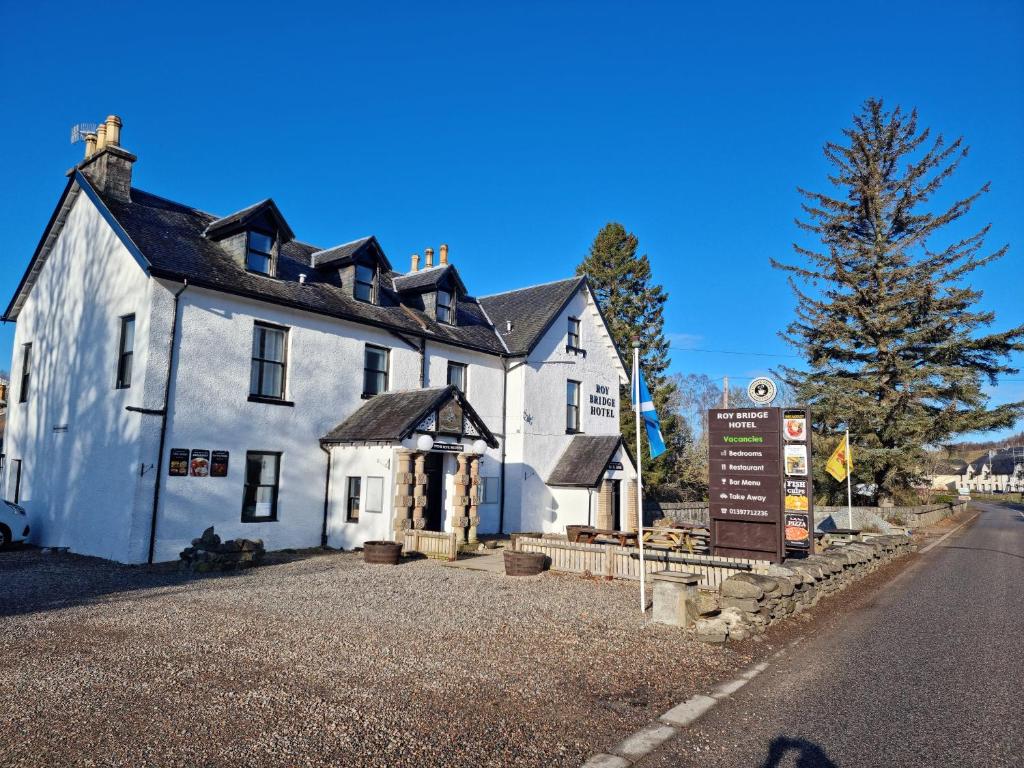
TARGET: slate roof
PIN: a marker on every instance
(426, 278)
(393, 416)
(342, 253)
(169, 240)
(531, 311)
(951, 467)
(584, 460)
(170, 236)
(1002, 463)
(239, 219)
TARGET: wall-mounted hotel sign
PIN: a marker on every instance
(614, 466)
(748, 463)
(449, 447)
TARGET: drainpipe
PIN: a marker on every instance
(163, 422)
(423, 361)
(504, 439)
(327, 495)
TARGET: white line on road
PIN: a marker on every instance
(943, 538)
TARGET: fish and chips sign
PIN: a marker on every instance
(760, 482)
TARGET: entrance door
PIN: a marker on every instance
(617, 504)
(434, 513)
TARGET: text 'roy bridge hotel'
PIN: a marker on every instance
(174, 370)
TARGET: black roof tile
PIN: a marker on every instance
(584, 460)
(530, 310)
(393, 416)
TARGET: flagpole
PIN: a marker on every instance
(849, 488)
(639, 478)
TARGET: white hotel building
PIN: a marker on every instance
(174, 370)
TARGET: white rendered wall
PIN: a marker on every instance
(541, 426)
(362, 462)
(211, 411)
(81, 486)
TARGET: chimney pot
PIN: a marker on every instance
(113, 125)
(101, 136)
(428, 257)
(302, 278)
(443, 259)
(90, 145)
(415, 263)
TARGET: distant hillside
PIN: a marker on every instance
(975, 449)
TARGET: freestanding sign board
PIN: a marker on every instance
(751, 466)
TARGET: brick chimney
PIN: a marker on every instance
(107, 164)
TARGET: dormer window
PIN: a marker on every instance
(364, 283)
(259, 255)
(445, 307)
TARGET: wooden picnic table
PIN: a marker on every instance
(591, 535)
(695, 539)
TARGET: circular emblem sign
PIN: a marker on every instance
(762, 390)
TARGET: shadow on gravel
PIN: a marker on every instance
(34, 581)
(808, 754)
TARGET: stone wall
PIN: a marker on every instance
(748, 603)
(883, 517)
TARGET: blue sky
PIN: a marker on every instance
(515, 131)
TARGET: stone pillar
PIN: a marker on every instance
(474, 498)
(459, 521)
(419, 496)
(403, 493)
(605, 506)
(675, 598)
(629, 524)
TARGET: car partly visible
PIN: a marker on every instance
(14, 525)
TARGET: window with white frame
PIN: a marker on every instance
(574, 332)
(445, 307)
(375, 370)
(488, 490)
(269, 351)
(262, 478)
(259, 253)
(457, 375)
(572, 406)
(126, 352)
(365, 282)
(374, 494)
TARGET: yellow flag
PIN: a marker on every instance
(838, 461)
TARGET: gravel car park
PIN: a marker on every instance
(319, 659)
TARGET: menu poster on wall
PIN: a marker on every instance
(179, 462)
(199, 466)
(796, 460)
(796, 495)
(219, 464)
(794, 426)
(798, 530)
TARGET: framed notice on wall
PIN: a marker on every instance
(219, 463)
(179, 462)
(199, 466)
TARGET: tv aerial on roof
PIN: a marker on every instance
(79, 130)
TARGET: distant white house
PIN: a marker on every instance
(174, 369)
(1001, 470)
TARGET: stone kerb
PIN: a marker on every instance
(748, 603)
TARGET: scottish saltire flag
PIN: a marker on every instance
(650, 417)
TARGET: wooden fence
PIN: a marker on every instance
(440, 546)
(613, 561)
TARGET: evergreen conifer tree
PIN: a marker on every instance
(894, 342)
(634, 305)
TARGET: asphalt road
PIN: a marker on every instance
(929, 671)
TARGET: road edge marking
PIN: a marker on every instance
(930, 547)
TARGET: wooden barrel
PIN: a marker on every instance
(382, 552)
(524, 563)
